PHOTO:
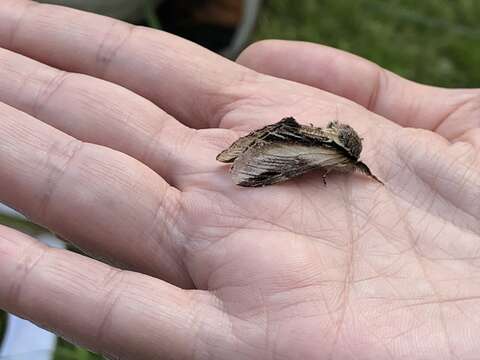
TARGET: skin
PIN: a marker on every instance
(108, 137)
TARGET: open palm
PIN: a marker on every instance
(117, 155)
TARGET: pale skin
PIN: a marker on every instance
(108, 137)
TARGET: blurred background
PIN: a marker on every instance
(430, 41)
(434, 42)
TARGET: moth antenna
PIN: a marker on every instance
(361, 167)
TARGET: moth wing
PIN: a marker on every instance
(268, 163)
(237, 148)
(284, 126)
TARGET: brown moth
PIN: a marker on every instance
(286, 149)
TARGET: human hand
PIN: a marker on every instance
(125, 168)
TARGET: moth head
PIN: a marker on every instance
(347, 138)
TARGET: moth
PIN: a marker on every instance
(287, 149)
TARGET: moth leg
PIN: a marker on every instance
(324, 177)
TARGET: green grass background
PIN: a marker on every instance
(430, 41)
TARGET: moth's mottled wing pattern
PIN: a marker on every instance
(269, 163)
(280, 131)
(237, 148)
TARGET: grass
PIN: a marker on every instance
(67, 351)
(429, 41)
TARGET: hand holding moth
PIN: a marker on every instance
(110, 141)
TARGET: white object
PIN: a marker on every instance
(24, 340)
(129, 10)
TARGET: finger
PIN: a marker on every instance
(102, 200)
(347, 75)
(100, 112)
(120, 314)
(187, 81)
